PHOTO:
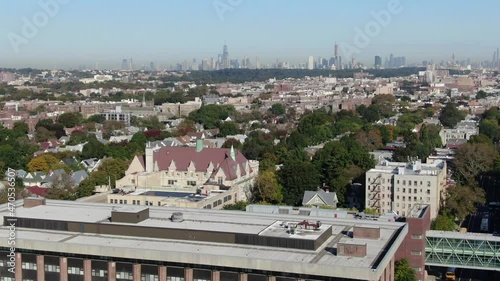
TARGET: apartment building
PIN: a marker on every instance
(397, 186)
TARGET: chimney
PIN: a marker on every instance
(149, 158)
(199, 145)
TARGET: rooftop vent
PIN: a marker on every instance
(365, 232)
(177, 217)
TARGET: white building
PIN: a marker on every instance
(397, 186)
(310, 63)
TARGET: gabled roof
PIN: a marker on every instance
(220, 157)
(79, 176)
(329, 198)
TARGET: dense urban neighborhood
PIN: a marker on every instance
(373, 144)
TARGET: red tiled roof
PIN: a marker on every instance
(183, 156)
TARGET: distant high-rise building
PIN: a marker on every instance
(131, 65)
(225, 57)
(498, 59)
(152, 66)
(336, 51)
(310, 63)
(378, 62)
(125, 64)
(257, 63)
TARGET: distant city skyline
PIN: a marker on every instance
(170, 32)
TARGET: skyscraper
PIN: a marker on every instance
(310, 63)
(225, 56)
(378, 62)
(498, 59)
(131, 65)
(152, 66)
(124, 64)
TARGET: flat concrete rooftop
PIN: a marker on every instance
(321, 262)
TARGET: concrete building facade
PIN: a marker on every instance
(398, 186)
(62, 240)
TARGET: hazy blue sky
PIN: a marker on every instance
(169, 31)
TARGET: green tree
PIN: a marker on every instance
(403, 271)
(77, 137)
(228, 128)
(278, 109)
(70, 119)
(231, 142)
(97, 118)
(473, 159)
(93, 148)
(340, 162)
(296, 177)
(443, 222)
(210, 115)
(186, 126)
(140, 139)
(451, 115)
(490, 128)
(462, 200)
(267, 188)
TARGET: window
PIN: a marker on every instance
(428, 191)
(415, 183)
(121, 201)
(171, 278)
(397, 189)
(133, 181)
(397, 205)
(428, 183)
(404, 189)
(171, 182)
(125, 275)
(99, 273)
(133, 202)
(420, 182)
(428, 199)
(28, 265)
(149, 277)
(404, 182)
(416, 253)
(415, 190)
(409, 190)
(159, 204)
(220, 180)
(52, 268)
(193, 183)
(397, 181)
(417, 236)
(75, 270)
(125, 201)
